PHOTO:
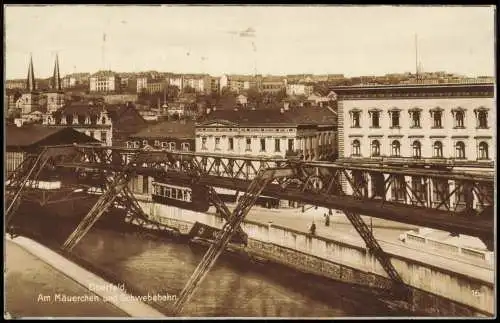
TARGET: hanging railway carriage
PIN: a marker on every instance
(191, 197)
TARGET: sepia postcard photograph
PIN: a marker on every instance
(249, 161)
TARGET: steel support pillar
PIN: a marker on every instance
(17, 182)
(374, 248)
(97, 210)
(223, 238)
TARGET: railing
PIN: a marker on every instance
(473, 254)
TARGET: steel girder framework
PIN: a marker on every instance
(440, 199)
(223, 237)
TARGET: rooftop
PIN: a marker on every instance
(414, 90)
(32, 134)
(274, 116)
(168, 129)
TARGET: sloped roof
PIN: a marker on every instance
(273, 116)
(31, 134)
(168, 129)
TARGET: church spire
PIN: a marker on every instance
(30, 84)
(56, 77)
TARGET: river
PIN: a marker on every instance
(235, 287)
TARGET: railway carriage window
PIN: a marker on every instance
(438, 149)
(168, 192)
(188, 196)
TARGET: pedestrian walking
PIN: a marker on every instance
(312, 229)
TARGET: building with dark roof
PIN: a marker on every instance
(20, 141)
(111, 124)
(272, 132)
(170, 135)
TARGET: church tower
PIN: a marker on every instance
(29, 101)
(55, 97)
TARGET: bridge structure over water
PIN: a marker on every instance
(466, 209)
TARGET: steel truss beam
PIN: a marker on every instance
(371, 242)
(223, 238)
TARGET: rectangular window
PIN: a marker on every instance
(164, 145)
(263, 144)
(415, 118)
(145, 184)
(172, 146)
(249, 144)
(356, 116)
(185, 146)
(204, 143)
(144, 143)
(290, 144)
(231, 143)
(157, 143)
(375, 119)
(103, 136)
(395, 119)
(217, 143)
(437, 119)
(276, 145)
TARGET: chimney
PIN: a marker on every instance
(286, 105)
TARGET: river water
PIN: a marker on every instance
(235, 287)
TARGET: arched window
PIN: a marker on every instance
(417, 149)
(438, 149)
(375, 148)
(356, 148)
(483, 150)
(460, 150)
(396, 148)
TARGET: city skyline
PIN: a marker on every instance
(248, 40)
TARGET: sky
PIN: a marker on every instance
(349, 40)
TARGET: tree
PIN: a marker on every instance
(253, 96)
(172, 92)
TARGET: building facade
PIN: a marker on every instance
(299, 89)
(271, 133)
(437, 126)
(105, 81)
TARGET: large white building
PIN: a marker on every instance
(299, 89)
(308, 132)
(105, 81)
(437, 126)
